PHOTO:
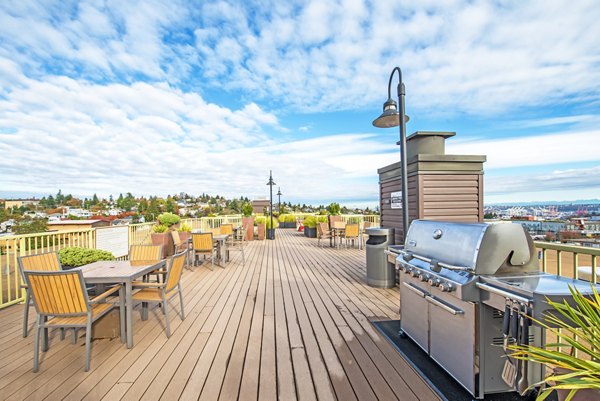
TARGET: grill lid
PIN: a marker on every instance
(481, 248)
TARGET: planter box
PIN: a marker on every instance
(248, 223)
(260, 231)
(271, 233)
(310, 232)
(166, 241)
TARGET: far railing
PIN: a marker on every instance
(569, 260)
(140, 234)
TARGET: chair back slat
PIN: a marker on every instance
(145, 253)
(46, 262)
(352, 230)
(322, 228)
(174, 271)
(203, 242)
(58, 293)
(176, 238)
(339, 224)
(226, 229)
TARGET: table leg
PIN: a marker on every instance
(129, 313)
(122, 313)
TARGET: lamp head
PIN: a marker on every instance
(390, 116)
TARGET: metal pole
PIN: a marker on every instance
(279, 195)
(402, 125)
(271, 200)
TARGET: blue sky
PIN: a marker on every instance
(162, 97)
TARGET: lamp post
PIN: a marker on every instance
(271, 232)
(392, 117)
(279, 195)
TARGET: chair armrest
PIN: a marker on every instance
(148, 285)
(106, 293)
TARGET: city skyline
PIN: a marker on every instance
(177, 97)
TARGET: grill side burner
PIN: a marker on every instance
(456, 282)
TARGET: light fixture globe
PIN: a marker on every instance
(390, 116)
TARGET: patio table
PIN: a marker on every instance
(337, 232)
(122, 272)
(221, 240)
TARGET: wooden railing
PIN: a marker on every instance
(13, 246)
(564, 260)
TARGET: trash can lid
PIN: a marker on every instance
(379, 231)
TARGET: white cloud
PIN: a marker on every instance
(536, 150)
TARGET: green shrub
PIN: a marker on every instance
(75, 256)
(185, 228)
(282, 218)
(275, 223)
(290, 218)
(310, 221)
(260, 220)
(322, 219)
(168, 219)
(159, 228)
(247, 209)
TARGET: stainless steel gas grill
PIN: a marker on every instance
(465, 292)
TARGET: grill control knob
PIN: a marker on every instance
(446, 287)
(434, 282)
(414, 273)
(423, 277)
(405, 269)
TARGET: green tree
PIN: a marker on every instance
(31, 226)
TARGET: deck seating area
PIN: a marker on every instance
(292, 323)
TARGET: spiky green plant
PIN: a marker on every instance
(579, 335)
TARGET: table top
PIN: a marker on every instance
(116, 271)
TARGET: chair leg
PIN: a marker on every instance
(88, 343)
(26, 313)
(36, 345)
(122, 313)
(74, 336)
(168, 326)
(181, 303)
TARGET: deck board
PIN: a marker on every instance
(293, 323)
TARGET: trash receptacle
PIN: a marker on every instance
(380, 273)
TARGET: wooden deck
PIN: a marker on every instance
(294, 323)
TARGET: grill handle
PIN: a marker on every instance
(447, 308)
(504, 294)
(425, 259)
(414, 289)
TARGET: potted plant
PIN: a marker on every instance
(260, 227)
(291, 221)
(160, 232)
(577, 328)
(271, 230)
(185, 232)
(282, 221)
(248, 221)
(310, 226)
(71, 257)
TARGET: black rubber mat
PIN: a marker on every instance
(447, 388)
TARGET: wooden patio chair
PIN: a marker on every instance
(238, 242)
(146, 255)
(163, 292)
(351, 233)
(48, 261)
(323, 232)
(203, 244)
(61, 301)
(226, 229)
(363, 233)
(181, 246)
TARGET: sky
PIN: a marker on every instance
(161, 97)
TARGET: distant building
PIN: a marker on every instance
(74, 225)
(77, 212)
(259, 205)
(9, 204)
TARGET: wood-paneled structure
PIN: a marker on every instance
(293, 323)
(440, 186)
